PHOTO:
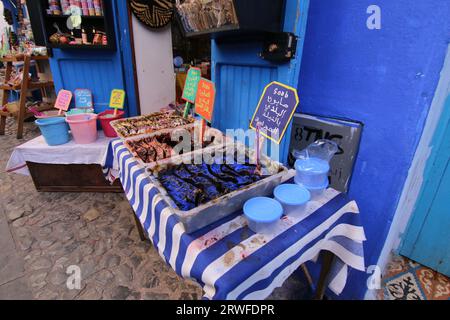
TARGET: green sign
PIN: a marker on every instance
(191, 84)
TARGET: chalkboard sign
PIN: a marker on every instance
(204, 102)
(191, 84)
(347, 134)
(275, 110)
(83, 98)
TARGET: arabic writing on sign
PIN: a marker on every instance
(191, 84)
(63, 100)
(117, 99)
(83, 98)
(275, 110)
(204, 102)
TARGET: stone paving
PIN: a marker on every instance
(42, 234)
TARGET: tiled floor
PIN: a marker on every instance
(407, 280)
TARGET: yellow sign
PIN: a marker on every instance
(117, 99)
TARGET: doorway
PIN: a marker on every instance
(195, 52)
(426, 237)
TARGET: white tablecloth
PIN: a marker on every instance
(37, 150)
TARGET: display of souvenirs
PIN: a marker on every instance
(159, 147)
(59, 37)
(191, 185)
(81, 7)
(201, 15)
(150, 123)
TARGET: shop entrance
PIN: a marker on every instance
(426, 239)
(187, 52)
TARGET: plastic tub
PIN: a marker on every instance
(317, 191)
(83, 127)
(105, 120)
(50, 114)
(262, 214)
(293, 198)
(312, 172)
(54, 130)
(79, 111)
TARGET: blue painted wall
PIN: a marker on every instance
(98, 70)
(386, 79)
(7, 5)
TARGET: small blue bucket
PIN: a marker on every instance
(54, 130)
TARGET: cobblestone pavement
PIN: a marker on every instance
(41, 234)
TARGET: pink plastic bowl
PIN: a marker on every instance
(83, 127)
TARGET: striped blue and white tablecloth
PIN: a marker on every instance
(229, 260)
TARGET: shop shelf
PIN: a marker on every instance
(44, 28)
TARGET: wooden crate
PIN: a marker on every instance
(71, 178)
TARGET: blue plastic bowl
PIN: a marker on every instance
(293, 197)
(262, 213)
(54, 130)
(315, 191)
(312, 172)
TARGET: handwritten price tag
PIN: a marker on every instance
(204, 102)
(275, 110)
(83, 98)
(117, 100)
(191, 84)
(63, 100)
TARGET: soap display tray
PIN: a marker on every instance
(219, 139)
(218, 208)
(179, 122)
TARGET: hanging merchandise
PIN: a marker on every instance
(199, 15)
(153, 13)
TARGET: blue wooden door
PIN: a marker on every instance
(100, 70)
(427, 239)
(240, 74)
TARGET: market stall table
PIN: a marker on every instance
(68, 167)
(229, 260)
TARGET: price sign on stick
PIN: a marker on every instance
(83, 98)
(63, 100)
(204, 102)
(190, 88)
(117, 100)
(275, 111)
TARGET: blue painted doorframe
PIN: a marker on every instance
(427, 237)
(100, 71)
(240, 74)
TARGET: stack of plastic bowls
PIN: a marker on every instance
(263, 214)
(312, 173)
(293, 198)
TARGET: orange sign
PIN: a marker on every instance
(204, 102)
